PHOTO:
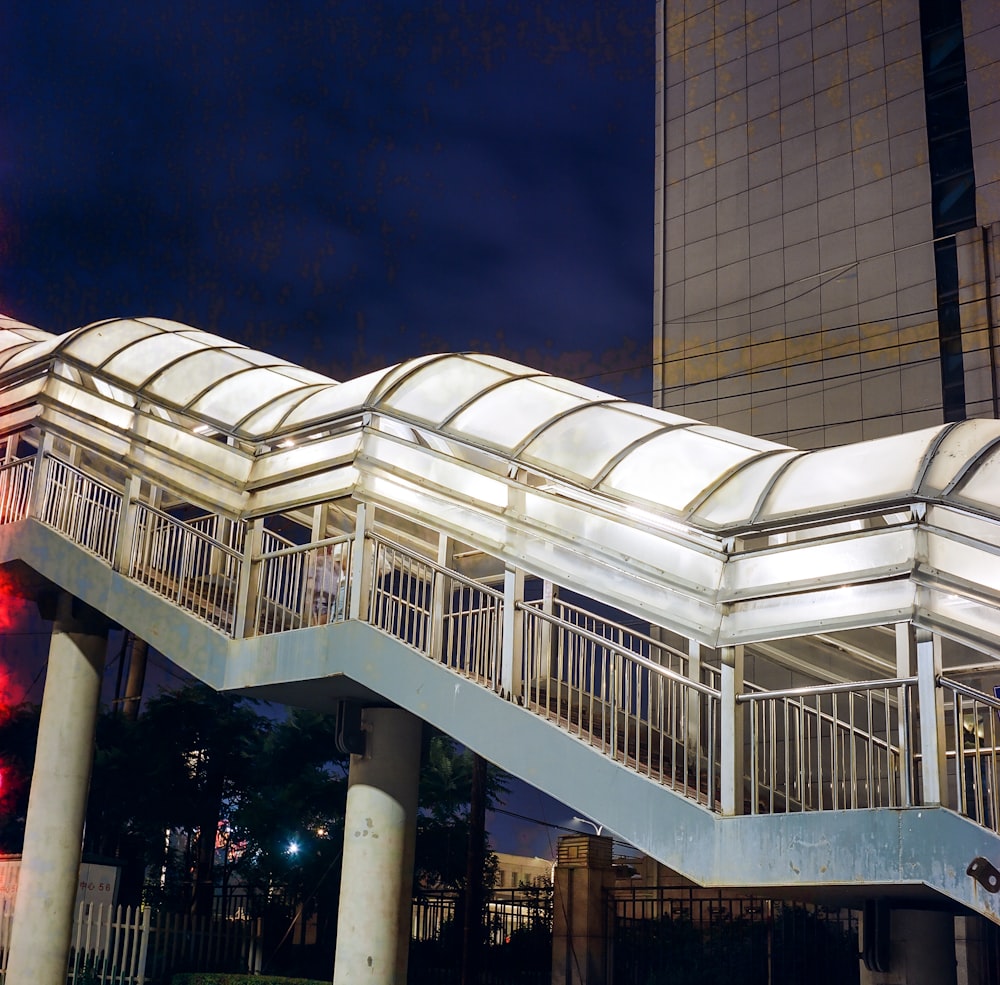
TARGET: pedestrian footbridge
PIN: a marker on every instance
(765, 667)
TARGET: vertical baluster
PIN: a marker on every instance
(770, 747)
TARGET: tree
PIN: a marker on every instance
(291, 819)
(18, 732)
(443, 820)
(176, 768)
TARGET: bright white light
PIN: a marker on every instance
(293, 848)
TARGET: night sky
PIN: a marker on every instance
(342, 184)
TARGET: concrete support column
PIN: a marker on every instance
(583, 876)
(373, 926)
(921, 950)
(50, 863)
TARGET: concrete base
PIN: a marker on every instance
(373, 926)
(583, 875)
(64, 755)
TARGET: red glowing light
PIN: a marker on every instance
(15, 616)
(12, 607)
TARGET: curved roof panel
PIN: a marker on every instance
(881, 469)
(20, 343)
(583, 443)
(624, 452)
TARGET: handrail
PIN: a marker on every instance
(193, 531)
(972, 743)
(297, 548)
(295, 588)
(435, 567)
(804, 692)
(650, 718)
(969, 692)
(625, 630)
(807, 757)
(606, 643)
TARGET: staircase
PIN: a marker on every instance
(794, 705)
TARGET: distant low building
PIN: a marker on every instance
(521, 870)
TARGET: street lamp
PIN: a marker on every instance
(598, 828)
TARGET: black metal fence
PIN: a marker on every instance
(517, 944)
(668, 936)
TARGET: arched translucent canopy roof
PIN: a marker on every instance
(579, 437)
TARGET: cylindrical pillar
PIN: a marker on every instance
(373, 925)
(64, 754)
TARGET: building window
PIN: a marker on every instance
(953, 179)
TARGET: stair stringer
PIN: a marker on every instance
(847, 855)
(842, 855)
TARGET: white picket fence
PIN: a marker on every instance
(124, 945)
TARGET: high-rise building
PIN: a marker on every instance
(827, 215)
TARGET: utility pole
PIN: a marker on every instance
(138, 650)
(472, 925)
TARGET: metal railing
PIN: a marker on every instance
(674, 935)
(85, 510)
(302, 586)
(195, 571)
(972, 730)
(444, 615)
(506, 911)
(639, 713)
(15, 489)
(621, 637)
(844, 746)
(109, 944)
(133, 945)
(831, 747)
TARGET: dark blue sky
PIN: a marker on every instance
(345, 184)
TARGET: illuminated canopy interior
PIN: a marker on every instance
(720, 536)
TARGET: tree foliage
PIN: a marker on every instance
(18, 732)
(208, 792)
(443, 821)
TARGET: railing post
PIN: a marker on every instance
(542, 661)
(731, 739)
(692, 710)
(512, 642)
(126, 523)
(906, 655)
(932, 741)
(38, 491)
(143, 947)
(248, 587)
(362, 564)
(438, 599)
